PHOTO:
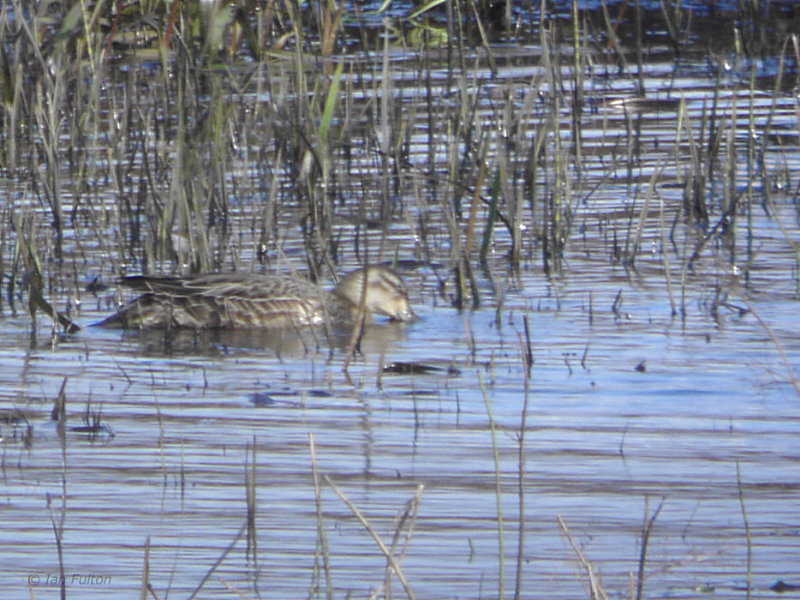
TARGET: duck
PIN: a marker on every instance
(263, 302)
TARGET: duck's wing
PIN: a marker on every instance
(229, 301)
(211, 285)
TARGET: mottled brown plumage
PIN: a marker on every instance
(248, 301)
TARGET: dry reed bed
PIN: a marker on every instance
(188, 155)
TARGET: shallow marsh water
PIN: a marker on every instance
(652, 385)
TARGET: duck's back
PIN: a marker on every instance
(222, 301)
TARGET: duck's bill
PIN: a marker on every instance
(406, 316)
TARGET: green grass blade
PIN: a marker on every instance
(330, 104)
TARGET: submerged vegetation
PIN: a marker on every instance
(470, 140)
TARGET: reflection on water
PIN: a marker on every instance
(283, 343)
(708, 419)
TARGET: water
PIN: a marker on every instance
(601, 439)
(654, 388)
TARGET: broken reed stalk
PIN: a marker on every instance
(687, 263)
(58, 532)
(533, 189)
(752, 166)
(613, 39)
(577, 88)
(664, 246)
(59, 411)
(595, 588)
(638, 38)
(691, 179)
(498, 489)
(393, 562)
(730, 209)
(177, 207)
(47, 104)
(58, 526)
(674, 23)
(251, 503)
(473, 209)
(37, 301)
(219, 560)
(527, 362)
(145, 571)
(490, 219)
(322, 539)
(748, 534)
(386, 129)
(406, 520)
(27, 253)
(647, 529)
(14, 95)
(632, 249)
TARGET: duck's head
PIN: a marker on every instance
(384, 292)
